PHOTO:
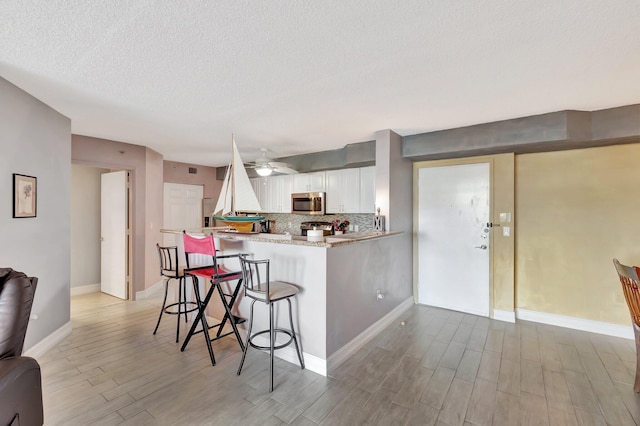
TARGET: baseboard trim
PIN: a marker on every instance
(341, 355)
(85, 289)
(576, 323)
(151, 292)
(311, 362)
(506, 316)
(49, 342)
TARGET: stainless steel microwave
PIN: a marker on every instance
(307, 203)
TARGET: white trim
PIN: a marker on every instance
(507, 316)
(341, 355)
(576, 323)
(85, 289)
(322, 366)
(311, 362)
(49, 342)
(151, 292)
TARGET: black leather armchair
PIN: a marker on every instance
(20, 380)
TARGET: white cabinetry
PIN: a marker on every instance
(274, 193)
(368, 189)
(309, 182)
(343, 191)
(279, 190)
(262, 194)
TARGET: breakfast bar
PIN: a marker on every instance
(348, 287)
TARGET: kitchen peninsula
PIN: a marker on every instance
(341, 280)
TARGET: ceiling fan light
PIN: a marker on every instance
(264, 171)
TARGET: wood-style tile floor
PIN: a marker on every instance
(436, 367)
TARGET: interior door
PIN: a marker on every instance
(182, 208)
(453, 238)
(113, 228)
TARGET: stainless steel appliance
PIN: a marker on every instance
(266, 226)
(326, 227)
(307, 203)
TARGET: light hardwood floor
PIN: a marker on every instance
(436, 367)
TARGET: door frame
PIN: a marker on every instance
(453, 162)
(131, 255)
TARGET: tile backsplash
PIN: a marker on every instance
(363, 220)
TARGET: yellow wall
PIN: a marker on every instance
(576, 210)
(502, 248)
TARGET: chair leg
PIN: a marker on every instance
(636, 386)
(184, 298)
(200, 317)
(231, 302)
(272, 338)
(228, 315)
(179, 309)
(166, 289)
(295, 340)
(246, 346)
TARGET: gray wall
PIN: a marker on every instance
(85, 225)
(36, 141)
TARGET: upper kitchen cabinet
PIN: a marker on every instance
(368, 189)
(309, 182)
(343, 191)
(279, 190)
(262, 192)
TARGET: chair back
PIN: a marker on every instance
(199, 245)
(629, 279)
(16, 299)
(168, 261)
(255, 274)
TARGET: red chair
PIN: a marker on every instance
(216, 274)
(629, 279)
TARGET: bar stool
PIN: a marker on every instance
(258, 287)
(171, 271)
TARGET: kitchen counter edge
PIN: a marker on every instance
(328, 241)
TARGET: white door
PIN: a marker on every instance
(453, 238)
(182, 209)
(113, 228)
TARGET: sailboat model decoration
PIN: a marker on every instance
(236, 196)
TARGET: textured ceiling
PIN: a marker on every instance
(300, 76)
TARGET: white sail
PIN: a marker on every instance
(223, 206)
(236, 193)
(244, 199)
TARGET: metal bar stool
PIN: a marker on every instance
(258, 287)
(171, 271)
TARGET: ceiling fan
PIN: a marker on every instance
(265, 166)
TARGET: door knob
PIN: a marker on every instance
(482, 247)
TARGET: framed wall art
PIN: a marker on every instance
(24, 195)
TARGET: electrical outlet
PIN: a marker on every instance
(350, 227)
(619, 298)
(355, 228)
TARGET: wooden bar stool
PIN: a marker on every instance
(171, 271)
(258, 287)
(629, 279)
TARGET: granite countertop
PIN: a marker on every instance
(328, 241)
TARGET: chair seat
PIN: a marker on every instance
(277, 290)
(170, 273)
(210, 272)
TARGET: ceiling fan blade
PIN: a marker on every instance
(282, 168)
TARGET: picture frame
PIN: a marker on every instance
(25, 195)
